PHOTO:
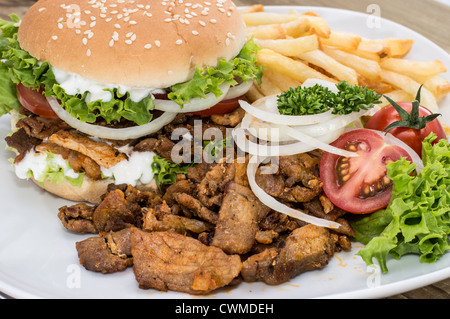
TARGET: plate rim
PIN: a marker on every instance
(378, 292)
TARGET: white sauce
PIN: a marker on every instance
(38, 164)
(138, 168)
(74, 84)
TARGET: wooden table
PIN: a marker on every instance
(427, 17)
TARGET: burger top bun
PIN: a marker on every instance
(133, 43)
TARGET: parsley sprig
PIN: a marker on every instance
(318, 99)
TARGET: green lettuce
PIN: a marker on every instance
(18, 66)
(54, 173)
(166, 172)
(417, 220)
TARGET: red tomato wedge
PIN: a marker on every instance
(359, 184)
(34, 101)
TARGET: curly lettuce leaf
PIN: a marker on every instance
(208, 81)
(165, 171)
(417, 220)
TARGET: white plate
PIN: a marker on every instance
(38, 257)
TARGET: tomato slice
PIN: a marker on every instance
(223, 107)
(34, 101)
(359, 184)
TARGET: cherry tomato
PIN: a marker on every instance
(223, 107)
(412, 137)
(359, 184)
(34, 101)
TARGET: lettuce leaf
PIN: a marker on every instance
(166, 172)
(417, 220)
(55, 174)
(208, 81)
(18, 66)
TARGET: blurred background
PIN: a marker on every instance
(427, 17)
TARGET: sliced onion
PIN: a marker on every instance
(238, 90)
(195, 105)
(272, 149)
(271, 202)
(111, 133)
(285, 119)
(317, 143)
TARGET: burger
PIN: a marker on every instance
(85, 82)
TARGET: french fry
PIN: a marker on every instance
(367, 68)
(378, 86)
(298, 27)
(291, 47)
(264, 18)
(253, 8)
(398, 48)
(365, 54)
(437, 85)
(267, 32)
(340, 71)
(390, 47)
(319, 26)
(411, 87)
(283, 82)
(287, 66)
(268, 87)
(253, 93)
(343, 40)
(397, 96)
(414, 69)
(372, 47)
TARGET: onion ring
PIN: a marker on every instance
(238, 90)
(271, 202)
(195, 105)
(111, 133)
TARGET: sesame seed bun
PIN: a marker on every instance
(91, 191)
(134, 43)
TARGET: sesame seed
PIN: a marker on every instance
(194, 32)
(55, 37)
(88, 52)
(213, 20)
(148, 46)
(202, 23)
(42, 9)
(133, 37)
(227, 41)
(111, 43)
(85, 41)
(128, 42)
(93, 24)
(179, 42)
(60, 25)
(133, 22)
(158, 43)
(117, 26)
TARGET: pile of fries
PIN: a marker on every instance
(301, 46)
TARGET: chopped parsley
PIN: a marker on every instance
(318, 99)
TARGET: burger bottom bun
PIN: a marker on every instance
(91, 191)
